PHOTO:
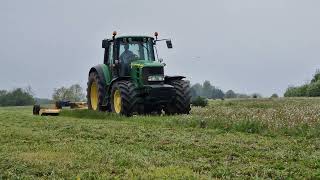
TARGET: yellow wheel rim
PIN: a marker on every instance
(94, 96)
(117, 101)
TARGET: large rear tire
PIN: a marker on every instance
(181, 102)
(96, 92)
(124, 98)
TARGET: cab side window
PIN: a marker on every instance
(110, 53)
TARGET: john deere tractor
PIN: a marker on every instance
(131, 80)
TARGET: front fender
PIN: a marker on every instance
(171, 78)
(114, 80)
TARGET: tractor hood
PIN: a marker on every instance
(147, 72)
(143, 63)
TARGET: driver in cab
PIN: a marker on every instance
(125, 58)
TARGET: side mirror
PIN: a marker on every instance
(160, 60)
(169, 44)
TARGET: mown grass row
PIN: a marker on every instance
(230, 139)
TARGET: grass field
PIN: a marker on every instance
(267, 138)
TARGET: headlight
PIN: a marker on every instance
(156, 78)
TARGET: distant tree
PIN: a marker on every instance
(256, 95)
(243, 96)
(310, 89)
(207, 89)
(43, 101)
(73, 93)
(60, 94)
(314, 89)
(290, 92)
(300, 91)
(193, 93)
(3, 92)
(274, 95)
(217, 93)
(16, 97)
(230, 94)
(200, 101)
(29, 90)
(196, 90)
(77, 92)
(316, 76)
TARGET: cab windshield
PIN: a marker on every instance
(131, 49)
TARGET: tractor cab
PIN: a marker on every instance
(124, 52)
(133, 49)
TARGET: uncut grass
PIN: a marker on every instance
(99, 146)
(297, 117)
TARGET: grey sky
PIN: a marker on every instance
(245, 45)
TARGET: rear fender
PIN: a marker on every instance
(104, 75)
(103, 72)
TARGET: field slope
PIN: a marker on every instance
(267, 138)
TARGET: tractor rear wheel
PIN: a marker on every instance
(95, 92)
(182, 100)
(124, 98)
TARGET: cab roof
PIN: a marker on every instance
(133, 36)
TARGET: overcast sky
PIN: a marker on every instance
(245, 45)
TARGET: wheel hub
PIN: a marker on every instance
(94, 96)
(117, 101)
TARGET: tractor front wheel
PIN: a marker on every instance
(182, 100)
(124, 98)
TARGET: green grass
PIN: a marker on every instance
(268, 138)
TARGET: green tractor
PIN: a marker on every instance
(131, 80)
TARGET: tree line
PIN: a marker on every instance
(25, 96)
(16, 97)
(211, 92)
(73, 93)
(311, 89)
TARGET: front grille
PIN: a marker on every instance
(162, 93)
(149, 71)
